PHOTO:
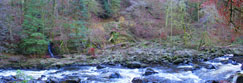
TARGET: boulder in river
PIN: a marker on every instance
(178, 61)
(230, 61)
(40, 78)
(149, 71)
(238, 59)
(52, 80)
(9, 78)
(94, 78)
(115, 75)
(211, 81)
(137, 80)
(70, 81)
(239, 79)
(233, 62)
(134, 65)
(34, 81)
(156, 79)
(100, 67)
(210, 66)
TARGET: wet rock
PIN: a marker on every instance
(137, 80)
(52, 80)
(70, 68)
(239, 79)
(72, 78)
(156, 79)
(211, 81)
(231, 78)
(233, 62)
(115, 75)
(42, 76)
(238, 59)
(133, 65)
(9, 78)
(75, 74)
(237, 51)
(98, 79)
(225, 62)
(210, 66)
(111, 63)
(196, 66)
(100, 67)
(178, 61)
(36, 81)
(230, 61)
(186, 52)
(71, 81)
(149, 71)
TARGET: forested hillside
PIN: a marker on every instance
(73, 26)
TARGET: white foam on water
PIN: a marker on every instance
(222, 71)
(33, 74)
(185, 66)
(8, 73)
(214, 63)
(128, 75)
(231, 55)
(181, 76)
(222, 58)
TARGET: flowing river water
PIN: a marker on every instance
(178, 74)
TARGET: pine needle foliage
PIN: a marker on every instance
(34, 40)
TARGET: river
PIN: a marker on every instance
(179, 74)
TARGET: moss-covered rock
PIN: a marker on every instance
(178, 60)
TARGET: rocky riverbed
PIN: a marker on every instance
(213, 71)
(136, 64)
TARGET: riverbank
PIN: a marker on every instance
(137, 63)
(136, 56)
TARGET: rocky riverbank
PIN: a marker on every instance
(141, 63)
(137, 56)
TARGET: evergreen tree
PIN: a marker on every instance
(111, 7)
(34, 41)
